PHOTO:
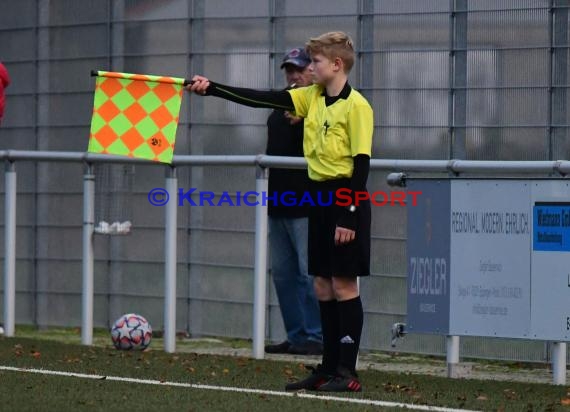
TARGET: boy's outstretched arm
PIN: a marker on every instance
(249, 97)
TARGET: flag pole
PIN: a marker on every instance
(187, 82)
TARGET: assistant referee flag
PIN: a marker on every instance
(135, 115)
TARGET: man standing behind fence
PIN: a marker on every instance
(4, 82)
(288, 225)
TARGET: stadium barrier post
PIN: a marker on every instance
(358, 354)
(559, 363)
(170, 246)
(260, 269)
(10, 249)
(87, 258)
(452, 353)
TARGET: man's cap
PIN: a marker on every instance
(297, 57)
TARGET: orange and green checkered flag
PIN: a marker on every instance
(135, 115)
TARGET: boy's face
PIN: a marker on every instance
(323, 69)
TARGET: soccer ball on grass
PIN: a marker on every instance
(131, 332)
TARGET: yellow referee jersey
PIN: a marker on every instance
(333, 134)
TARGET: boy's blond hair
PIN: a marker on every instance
(332, 45)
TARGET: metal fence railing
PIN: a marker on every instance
(552, 169)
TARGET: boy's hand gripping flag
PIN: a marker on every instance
(135, 115)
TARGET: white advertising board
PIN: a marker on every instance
(550, 282)
(490, 259)
(506, 248)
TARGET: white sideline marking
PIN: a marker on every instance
(235, 389)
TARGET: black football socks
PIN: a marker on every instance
(350, 316)
(330, 327)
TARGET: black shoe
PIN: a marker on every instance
(343, 382)
(317, 378)
(282, 347)
(308, 348)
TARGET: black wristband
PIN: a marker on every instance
(210, 89)
(348, 219)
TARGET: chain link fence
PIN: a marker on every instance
(469, 79)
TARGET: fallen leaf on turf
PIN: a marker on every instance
(18, 349)
(226, 371)
(510, 394)
(482, 398)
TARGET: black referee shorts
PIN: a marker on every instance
(325, 258)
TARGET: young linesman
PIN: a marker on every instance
(337, 145)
